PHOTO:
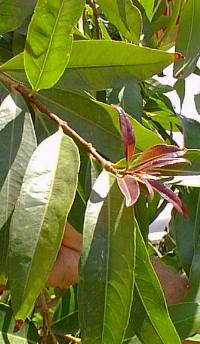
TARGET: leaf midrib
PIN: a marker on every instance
(49, 46)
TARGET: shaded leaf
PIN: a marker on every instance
(187, 38)
(49, 41)
(97, 122)
(97, 65)
(107, 264)
(152, 297)
(27, 335)
(13, 13)
(129, 188)
(11, 188)
(197, 102)
(186, 318)
(11, 129)
(38, 221)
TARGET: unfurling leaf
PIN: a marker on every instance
(129, 188)
(127, 134)
(170, 196)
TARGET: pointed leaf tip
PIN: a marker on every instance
(171, 197)
(127, 133)
(178, 56)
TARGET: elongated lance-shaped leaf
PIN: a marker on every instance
(170, 196)
(107, 264)
(49, 40)
(187, 37)
(11, 128)
(125, 16)
(12, 184)
(127, 134)
(38, 220)
(159, 151)
(151, 295)
(97, 65)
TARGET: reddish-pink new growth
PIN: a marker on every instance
(147, 172)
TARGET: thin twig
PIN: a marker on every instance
(95, 15)
(46, 317)
(28, 95)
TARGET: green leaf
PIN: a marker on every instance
(95, 121)
(97, 65)
(187, 38)
(148, 6)
(13, 13)
(125, 16)
(38, 221)
(11, 129)
(151, 295)
(197, 102)
(107, 264)
(191, 129)
(187, 233)
(4, 242)
(27, 335)
(49, 41)
(11, 188)
(67, 324)
(186, 318)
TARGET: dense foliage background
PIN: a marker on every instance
(64, 154)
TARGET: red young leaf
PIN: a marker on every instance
(170, 196)
(158, 163)
(127, 133)
(159, 151)
(130, 189)
(148, 188)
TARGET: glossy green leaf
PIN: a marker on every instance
(97, 65)
(95, 121)
(27, 335)
(148, 6)
(107, 264)
(49, 41)
(151, 295)
(125, 16)
(13, 13)
(38, 221)
(187, 38)
(11, 188)
(11, 129)
(186, 318)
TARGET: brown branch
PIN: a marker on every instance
(29, 96)
(95, 15)
(46, 318)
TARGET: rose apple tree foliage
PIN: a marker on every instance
(87, 135)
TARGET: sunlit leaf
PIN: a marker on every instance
(49, 41)
(38, 221)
